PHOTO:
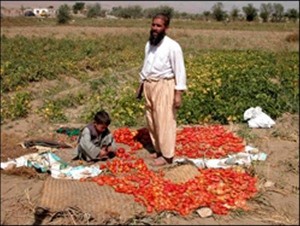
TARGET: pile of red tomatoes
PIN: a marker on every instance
(220, 189)
(208, 142)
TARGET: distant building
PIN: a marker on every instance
(44, 12)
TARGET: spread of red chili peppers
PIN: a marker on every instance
(219, 189)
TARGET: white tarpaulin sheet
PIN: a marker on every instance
(242, 158)
(49, 162)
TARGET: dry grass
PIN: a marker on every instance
(197, 39)
(293, 37)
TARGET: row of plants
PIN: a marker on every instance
(221, 84)
(26, 60)
(144, 23)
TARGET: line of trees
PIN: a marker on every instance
(267, 12)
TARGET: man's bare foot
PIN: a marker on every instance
(161, 161)
(155, 155)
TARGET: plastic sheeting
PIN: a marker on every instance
(243, 158)
(49, 162)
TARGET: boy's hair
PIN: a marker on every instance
(164, 16)
(102, 117)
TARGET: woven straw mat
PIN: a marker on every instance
(101, 201)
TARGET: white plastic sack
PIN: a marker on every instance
(257, 118)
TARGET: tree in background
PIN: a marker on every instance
(63, 14)
(150, 12)
(250, 12)
(278, 12)
(234, 14)
(134, 11)
(218, 13)
(207, 15)
(167, 10)
(265, 11)
(94, 11)
(78, 6)
(268, 12)
(292, 14)
(128, 12)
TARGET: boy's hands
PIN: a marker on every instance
(103, 153)
(110, 152)
(107, 152)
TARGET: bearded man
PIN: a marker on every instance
(163, 80)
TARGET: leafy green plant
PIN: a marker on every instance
(15, 106)
(64, 14)
(128, 111)
(52, 111)
(222, 84)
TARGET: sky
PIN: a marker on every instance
(181, 6)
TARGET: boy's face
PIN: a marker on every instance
(100, 127)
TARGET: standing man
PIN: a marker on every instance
(163, 80)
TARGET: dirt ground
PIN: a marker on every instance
(277, 202)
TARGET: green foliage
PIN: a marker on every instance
(63, 14)
(265, 11)
(218, 13)
(127, 12)
(166, 10)
(127, 111)
(278, 12)
(15, 106)
(197, 22)
(234, 14)
(78, 6)
(222, 85)
(292, 14)
(94, 11)
(250, 12)
(33, 59)
(102, 99)
(150, 12)
(52, 111)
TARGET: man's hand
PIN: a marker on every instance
(177, 98)
(139, 91)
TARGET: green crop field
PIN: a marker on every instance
(229, 69)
